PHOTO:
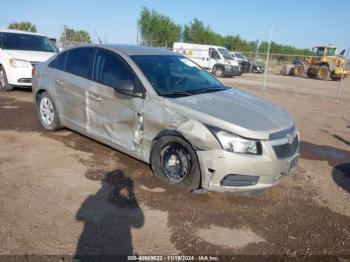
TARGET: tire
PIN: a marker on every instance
(219, 71)
(173, 149)
(323, 73)
(47, 112)
(299, 71)
(335, 77)
(4, 84)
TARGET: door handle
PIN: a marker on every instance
(95, 97)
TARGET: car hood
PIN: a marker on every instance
(31, 56)
(236, 111)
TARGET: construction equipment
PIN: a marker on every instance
(324, 65)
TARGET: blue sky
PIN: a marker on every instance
(296, 22)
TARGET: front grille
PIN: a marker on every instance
(282, 134)
(287, 150)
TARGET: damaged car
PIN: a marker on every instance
(162, 108)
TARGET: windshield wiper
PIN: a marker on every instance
(209, 89)
(176, 93)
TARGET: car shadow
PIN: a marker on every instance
(337, 158)
(108, 217)
(341, 176)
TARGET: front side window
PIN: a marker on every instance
(214, 54)
(79, 60)
(28, 42)
(109, 69)
(176, 75)
(319, 51)
(330, 51)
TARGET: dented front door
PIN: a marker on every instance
(113, 117)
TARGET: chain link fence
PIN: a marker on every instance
(276, 73)
(266, 71)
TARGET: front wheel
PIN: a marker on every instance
(175, 162)
(322, 73)
(47, 112)
(4, 84)
(219, 72)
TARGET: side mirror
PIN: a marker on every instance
(127, 87)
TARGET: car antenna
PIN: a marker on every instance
(98, 37)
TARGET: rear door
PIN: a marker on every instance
(71, 85)
(111, 116)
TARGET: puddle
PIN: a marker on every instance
(9, 107)
(154, 190)
(337, 158)
(229, 238)
(333, 155)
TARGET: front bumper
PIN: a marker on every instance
(232, 71)
(217, 164)
(20, 76)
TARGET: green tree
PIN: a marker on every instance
(157, 30)
(71, 35)
(23, 26)
(197, 32)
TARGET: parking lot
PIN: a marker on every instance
(63, 193)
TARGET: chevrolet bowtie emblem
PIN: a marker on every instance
(291, 138)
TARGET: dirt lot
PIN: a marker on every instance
(62, 193)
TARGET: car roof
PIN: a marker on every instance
(131, 50)
(18, 32)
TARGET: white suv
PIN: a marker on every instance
(19, 52)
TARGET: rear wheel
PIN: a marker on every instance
(299, 71)
(175, 162)
(4, 84)
(219, 72)
(47, 112)
(322, 73)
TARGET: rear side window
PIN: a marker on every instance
(59, 61)
(78, 61)
(109, 69)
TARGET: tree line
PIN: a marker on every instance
(159, 30)
(67, 35)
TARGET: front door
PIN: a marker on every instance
(111, 116)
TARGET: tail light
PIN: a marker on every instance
(33, 71)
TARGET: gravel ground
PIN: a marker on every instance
(62, 193)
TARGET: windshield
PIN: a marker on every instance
(330, 51)
(225, 53)
(241, 56)
(176, 75)
(15, 41)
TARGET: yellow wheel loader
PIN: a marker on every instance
(324, 65)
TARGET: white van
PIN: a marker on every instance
(216, 59)
(19, 52)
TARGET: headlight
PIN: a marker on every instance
(19, 63)
(233, 143)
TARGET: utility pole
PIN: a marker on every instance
(342, 76)
(267, 60)
(137, 33)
